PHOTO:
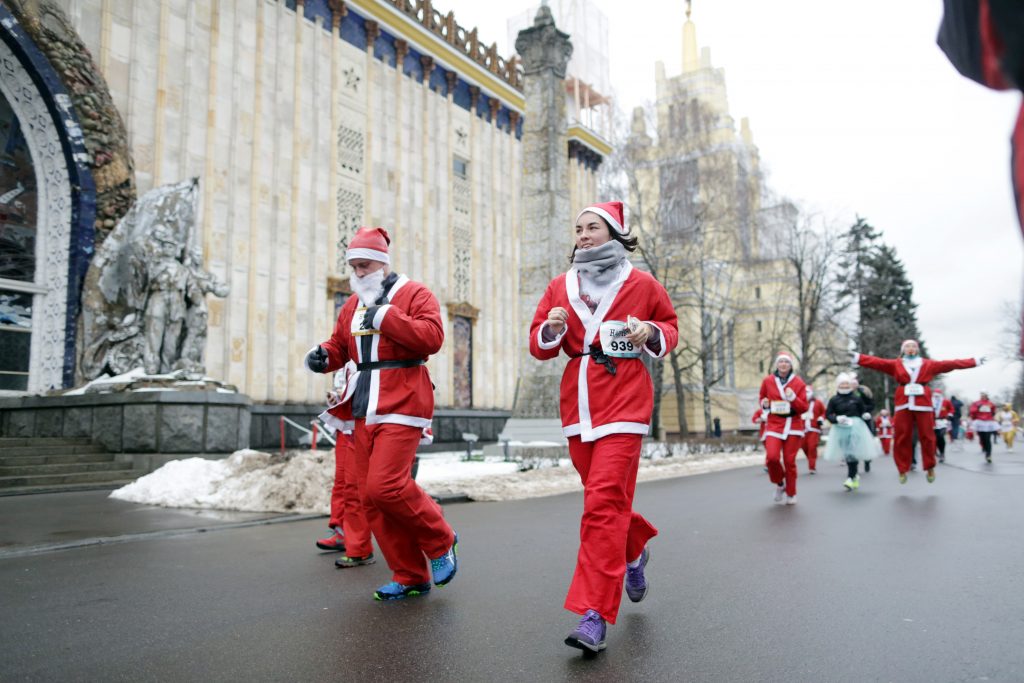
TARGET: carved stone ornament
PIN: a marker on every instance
(543, 46)
(462, 309)
(144, 301)
(338, 285)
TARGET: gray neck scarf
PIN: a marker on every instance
(600, 265)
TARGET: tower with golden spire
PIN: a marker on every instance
(701, 182)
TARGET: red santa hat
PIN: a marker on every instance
(611, 212)
(784, 356)
(371, 244)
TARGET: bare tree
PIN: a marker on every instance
(686, 210)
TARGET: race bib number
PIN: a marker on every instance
(808, 415)
(780, 408)
(357, 324)
(614, 342)
(984, 409)
(914, 389)
(941, 424)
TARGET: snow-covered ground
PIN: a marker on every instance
(301, 481)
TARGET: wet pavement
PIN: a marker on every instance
(892, 583)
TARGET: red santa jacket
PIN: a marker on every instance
(814, 416)
(884, 427)
(944, 409)
(787, 401)
(983, 410)
(759, 422)
(594, 403)
(407, 328)
(914, 377)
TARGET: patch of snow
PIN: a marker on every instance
(301, 481)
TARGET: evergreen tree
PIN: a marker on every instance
(861, 242)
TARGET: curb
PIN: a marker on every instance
(448, 499)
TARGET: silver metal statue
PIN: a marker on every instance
(144, 300)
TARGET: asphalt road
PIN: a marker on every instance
(893, 583)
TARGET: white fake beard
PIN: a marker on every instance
(369, 287)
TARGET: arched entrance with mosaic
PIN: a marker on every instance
(47, 214)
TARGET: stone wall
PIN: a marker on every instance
(137, 422)
(303, 125)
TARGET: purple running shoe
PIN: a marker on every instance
(636, 582)
(589, 635)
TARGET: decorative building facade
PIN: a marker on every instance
(302, 121)
(697, 187)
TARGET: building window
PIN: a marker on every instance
(760, 326)
(757, 292)
(760, 366)
(460, 167)
(18, 207)
(462, 329)
(15, 339)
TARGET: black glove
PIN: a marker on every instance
(316, 359)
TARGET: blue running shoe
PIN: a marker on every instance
(443, 568)
(589, 635)
(636, 582)
(397, 591)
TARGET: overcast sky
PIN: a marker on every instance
(855, 110)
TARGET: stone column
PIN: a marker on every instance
(545, 232)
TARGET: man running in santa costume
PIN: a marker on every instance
(884, 427)
(784, 398)
(913, 400)
(389, 327)
(813, 419)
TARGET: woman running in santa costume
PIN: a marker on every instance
(813, 419)
(913, 400)
(784, 398)
(351, 534)
(604, 314)
(389, 327)
(884, 427)
(983, 421)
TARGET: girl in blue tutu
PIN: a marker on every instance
(849, 437)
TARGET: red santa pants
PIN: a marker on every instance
(903, 449)
(780, 456)
(886, 444)
(810, 446)
(611, 534)
(346, 501)
(406, 522)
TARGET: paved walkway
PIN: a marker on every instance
(893, 583)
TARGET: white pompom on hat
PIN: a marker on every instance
(371, 244)
(611, 212)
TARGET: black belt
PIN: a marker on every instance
(598, 354)
(385, 364)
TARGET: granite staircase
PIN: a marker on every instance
(50, 465)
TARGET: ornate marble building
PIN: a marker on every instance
(302, 121)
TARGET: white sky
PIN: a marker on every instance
(855, 110)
